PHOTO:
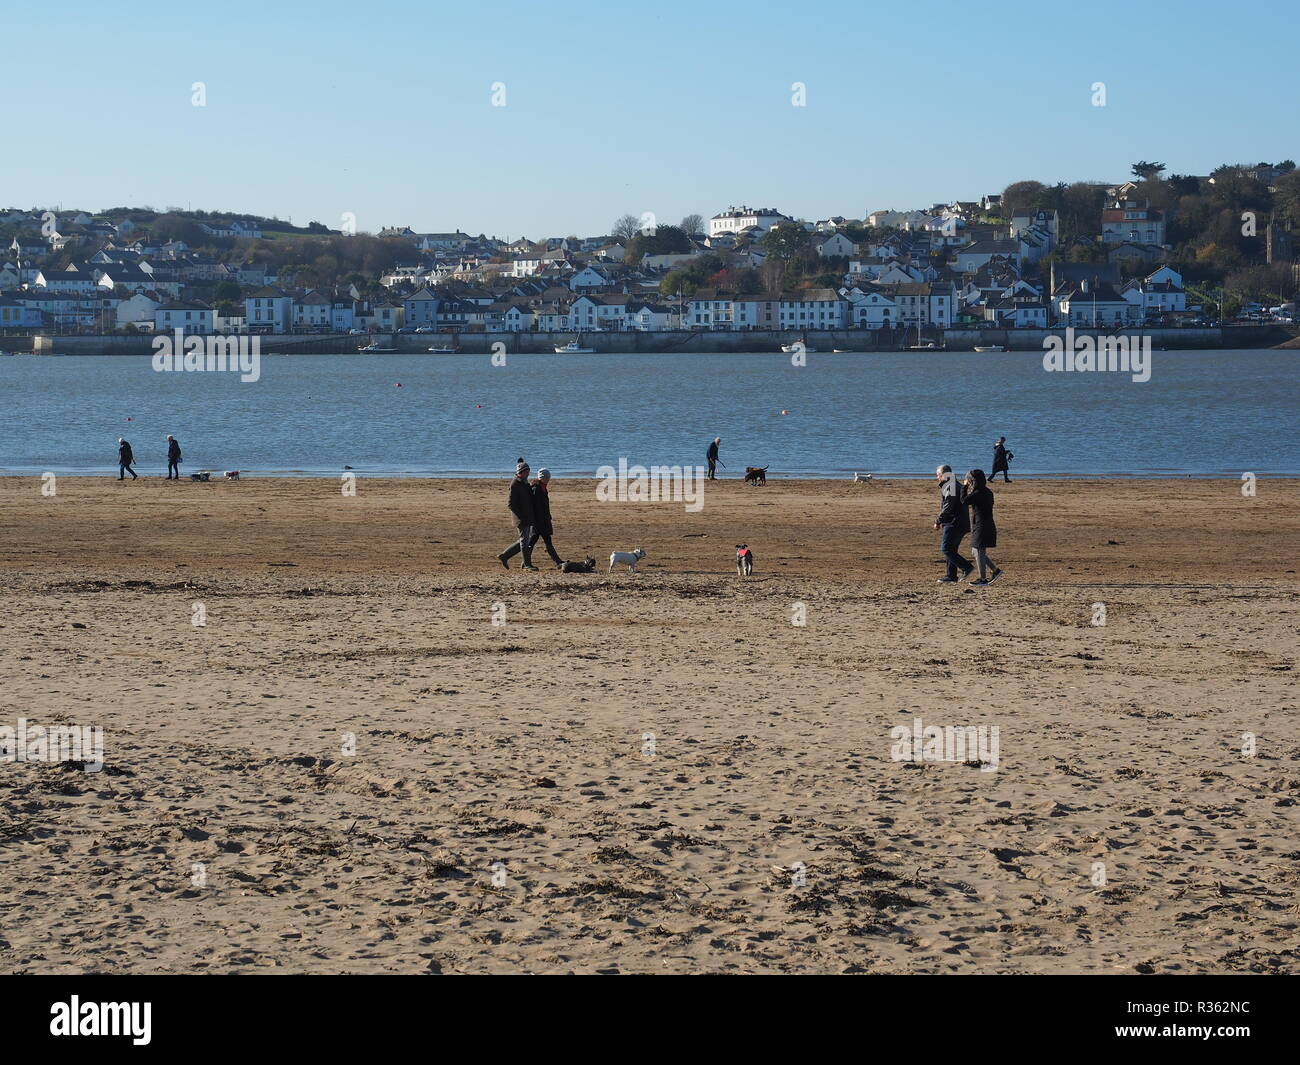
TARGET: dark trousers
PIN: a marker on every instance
(950, 545)
(713, 469)
(173, 468)
(550, 547)
(524, 544)
(1002, 470)
(123, 469)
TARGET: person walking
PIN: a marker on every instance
(712, 457)
(954, 522)
(173, 458)
(125, 459)
(542, 527)
(983, 532)
(520, 503)
(1001, 456)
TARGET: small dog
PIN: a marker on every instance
(860, 478)
(744, 560)
(629, 557)
(232, 475)
(586, 566)
(756, 474)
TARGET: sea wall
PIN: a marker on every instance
(853, 340)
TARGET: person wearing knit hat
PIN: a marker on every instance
(520, 502)
(542, 528)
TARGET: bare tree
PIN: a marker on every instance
(627, 227)
(692, 224)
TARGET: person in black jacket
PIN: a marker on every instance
(125, 459)
(542, 528)
(711, 456)
(983, 532)
(1001, 456)
(953, 521)
(173, 458)
(520, 503)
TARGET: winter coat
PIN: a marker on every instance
(125, 457)
(521, 502)
(952, 508)
(983, 532)
(173, 451)
(542, 510)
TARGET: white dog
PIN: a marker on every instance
(629, 557)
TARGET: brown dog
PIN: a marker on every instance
(756, 474)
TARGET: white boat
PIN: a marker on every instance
(574, 348)
(929, 345)
(444, 351)
(374, 349)
(799, 345)
(989, 347)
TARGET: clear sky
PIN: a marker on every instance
(673, 107)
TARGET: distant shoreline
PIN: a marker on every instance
(820, 342)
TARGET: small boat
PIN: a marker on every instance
(444, 350)
(799, 345)
(574, 348)
(989, 347)
(374, 349)
(929, 345)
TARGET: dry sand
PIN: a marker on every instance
(371, 617)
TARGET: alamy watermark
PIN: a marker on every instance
(651, 484)
(946, 743)
(1118, 354)
(55, 743)
(193, 354)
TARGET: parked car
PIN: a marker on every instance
(425, 329)
(407, 329)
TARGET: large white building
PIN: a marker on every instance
(735, 219)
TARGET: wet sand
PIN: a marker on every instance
(673, 777)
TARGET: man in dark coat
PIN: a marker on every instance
(983, 532)
(1001, 456)
(521, 507)
(953, 521)
(542, 528)
(125, 459)
(173, 459)
(712, 457)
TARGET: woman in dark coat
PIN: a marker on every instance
(983, 531)
(543, 529)
(125, 460)
(1001, 456)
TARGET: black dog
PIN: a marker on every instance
(589, 566)
(756, 474)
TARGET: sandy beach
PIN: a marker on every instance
(350, 768)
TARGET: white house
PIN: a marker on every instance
(312, 311)
(837, 245)
(1132, 221)
(872, 310)
(136, 310)
(822, 308)
(925, 303)
(189, 317)
(736, 219)
(269, 310)
(1088, 303)
(517, 318)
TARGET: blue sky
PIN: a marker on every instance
(671, 107)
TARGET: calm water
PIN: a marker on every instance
(896, 414)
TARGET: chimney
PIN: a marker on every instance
(1083, 286)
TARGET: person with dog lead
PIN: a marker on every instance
(520, 503)
(954, 522)
(1001, 457)
(712, 457)
(542, 528)
(983, 532)
(125, 460)
(173, 459)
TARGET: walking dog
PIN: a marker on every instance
(630, 558)
(744, 560)
(756, 474)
